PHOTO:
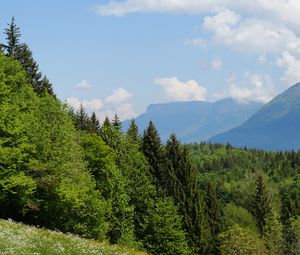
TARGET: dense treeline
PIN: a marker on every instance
(63, 169)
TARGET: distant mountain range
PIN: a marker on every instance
(276, 126)
(195, 121)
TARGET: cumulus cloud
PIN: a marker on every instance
(83, 85)
(253, 88)
(116, 103)
(120, 95)
(291, 64)
(256, 35)
(93, 104)
(176, 90)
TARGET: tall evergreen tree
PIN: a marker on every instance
(81, 119)
(152, 149)
(13, 35)
(116, 123)
(213, 216)
(94, 124)
(261, 204)
(22, 53)
(110, 135)
(289, 234)
(133, 132)
(181, 183)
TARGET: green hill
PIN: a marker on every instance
(19, 239)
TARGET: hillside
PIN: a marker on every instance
(20, 239)
(195, 121)
(274, 127)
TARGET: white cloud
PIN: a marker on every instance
(93, 104)
(83, 85)
(176, 90)
(292, 68)
(284, 11)
(253, 88)
(120, 95)
(117, 103)
(221, 21)
(120, 8)
(255, 35)
(216, 63)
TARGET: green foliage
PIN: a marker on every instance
(22, 53)
(180, 182)
(112, 184)
(13, 35)
(133, 133)
(240, 241)
(152, 149)
(273, 235)
(261, 204)
(238, 215)
(164, 233)
(213, 216)
(116, 123)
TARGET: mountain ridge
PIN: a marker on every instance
(274, 127)
(195, 121)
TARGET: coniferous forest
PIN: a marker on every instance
(65, 170)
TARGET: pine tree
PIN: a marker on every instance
(13, 37)
(133, 132)
(152, 149)
(261, 204)
(116, 123)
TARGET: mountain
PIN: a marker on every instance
(195, 121)
(275, 126)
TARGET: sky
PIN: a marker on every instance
(119, 56)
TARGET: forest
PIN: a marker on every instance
(63, 169)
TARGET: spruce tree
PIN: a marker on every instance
(213, 216)
(288, 231)
(261, 204)
(181, 183)
(110, 135)
(12, 37)
(94, 124)
(81, 119)
(152, 149)
(133, 132)
(116, 123)
(22, 53)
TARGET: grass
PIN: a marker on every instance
(20, 239)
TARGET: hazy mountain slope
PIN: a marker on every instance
(195, 121)
(276, 126)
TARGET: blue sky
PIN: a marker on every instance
(120, 56)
